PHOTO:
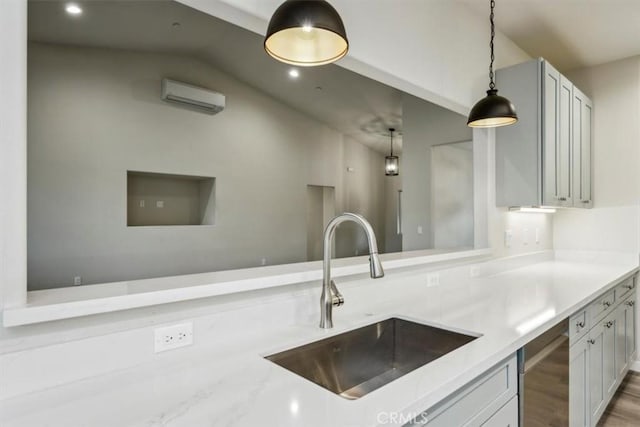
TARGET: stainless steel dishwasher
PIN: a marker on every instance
(543, 382)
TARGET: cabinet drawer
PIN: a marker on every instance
(476, 402)
(578, 325)
(601, 306)
(625, 288)
(507, 416)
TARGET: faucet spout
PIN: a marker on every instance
(330, 295)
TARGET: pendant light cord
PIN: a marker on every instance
(391, 132)
(492, 84)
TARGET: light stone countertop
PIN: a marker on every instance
(231, 384)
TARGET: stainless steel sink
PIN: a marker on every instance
(357, 362)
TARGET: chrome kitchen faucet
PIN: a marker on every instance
(330, 294)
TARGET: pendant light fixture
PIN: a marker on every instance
(391, 163)
(306, 33)
(493, 110)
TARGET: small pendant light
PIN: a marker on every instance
(391, 164)
(493, 110)
(306, 33)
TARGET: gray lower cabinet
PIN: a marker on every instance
(621, 325)
(490, 400)
(603, 345)
(507, 416)
(579, 369)
(600, 359)
(597, 394)
(610, 326)
(630, 328)
(602, 352)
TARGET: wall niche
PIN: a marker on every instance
(159, 199)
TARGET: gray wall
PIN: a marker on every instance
(424, 125)
(95, 113)
(392, 184)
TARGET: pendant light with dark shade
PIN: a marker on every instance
(306, 33)
(391, 162)
(493, 110)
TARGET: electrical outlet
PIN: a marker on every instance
(537, 236)
(175, 336)
(77, 280)
(525, 236)
(474, 271)
(433, 279)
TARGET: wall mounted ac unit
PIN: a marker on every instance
(202, 99)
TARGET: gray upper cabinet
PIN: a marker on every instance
(545, 158)
(582, 122)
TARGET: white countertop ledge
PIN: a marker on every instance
(224, 380)
(69, 302)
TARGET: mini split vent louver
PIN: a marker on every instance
(194, 97)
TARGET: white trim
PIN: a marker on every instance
(635, 366)
(13, 153)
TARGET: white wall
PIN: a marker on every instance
(523, 226)
(96, 113)
(614, 222)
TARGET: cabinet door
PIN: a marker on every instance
(630, 328)
(621, 324)
(557, 155)
(579, 383)
(611, 327)
(582, 127)
(597, 390)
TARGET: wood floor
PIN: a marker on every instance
(624, 408)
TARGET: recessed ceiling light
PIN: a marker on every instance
(73, 9)
(293, 73)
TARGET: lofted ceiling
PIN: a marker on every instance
(352, 104)
(569, 33)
